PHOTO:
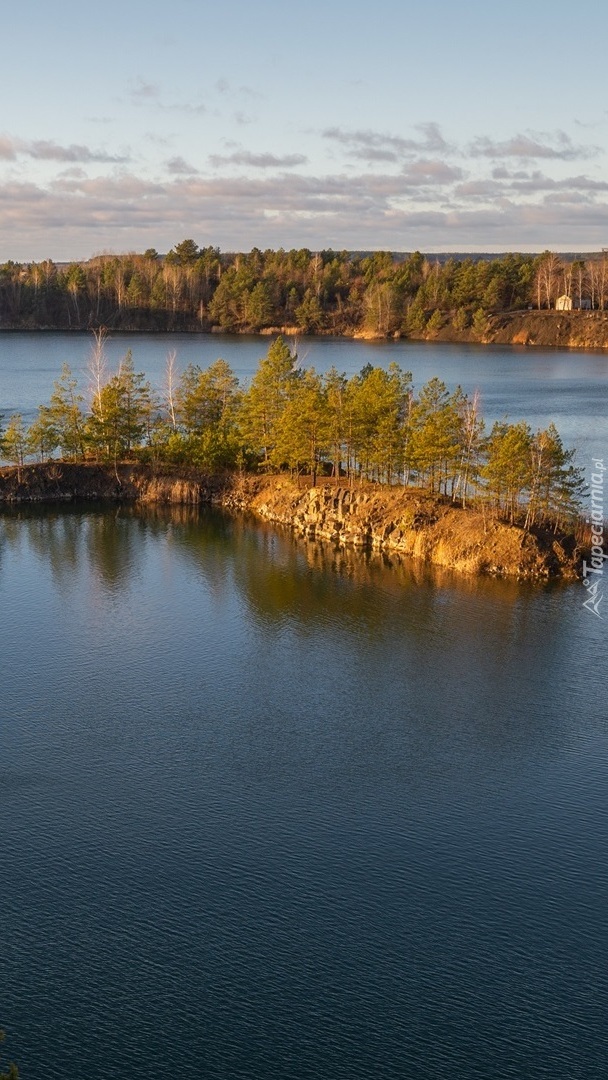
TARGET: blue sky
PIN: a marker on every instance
(347, 125)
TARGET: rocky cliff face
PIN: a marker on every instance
(568, 329)
(411, 523)
(404, 521)
(66, 481)
(548, 329)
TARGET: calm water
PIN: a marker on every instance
(270, 813)
(538, 385)
(274, 814)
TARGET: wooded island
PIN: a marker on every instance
(372, 427)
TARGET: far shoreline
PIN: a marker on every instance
(574, 331)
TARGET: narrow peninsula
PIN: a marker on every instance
(370, 517)
(367, 461)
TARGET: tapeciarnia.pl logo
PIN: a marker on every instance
(593, 571)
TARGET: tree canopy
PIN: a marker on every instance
(373, 426)
(341, 292)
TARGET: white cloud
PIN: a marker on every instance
(142, 90)
(49, 150)
(149, 95)
(389, 191)
(178, 166)
(425, 171)
(557, 146)
(258, 161)
(79, 215)
(366, 145)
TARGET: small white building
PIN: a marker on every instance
(566, 303)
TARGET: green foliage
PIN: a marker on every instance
(121, 413)
(12, 1072)
(259, 308)
(376, 407)
(415, 319)
(309, 314)
(13, 447)
(461, 319)
(42, 437)
(334, 391)
(192, 287)
(556, 485)
(302, 431)
(210, 450)
(480, 322)
(371, 426)
(508, 469)
(66, 415)
(184, 253)
(271, 389)
(435, 322)
(207, 399)
(435, 445)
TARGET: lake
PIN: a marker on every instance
(273, 812)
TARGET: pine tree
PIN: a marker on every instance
(271, 388)
(42, 437)
(119, 413)
(67, 416)
(435, 445)
(507, 473)
(555, 483)
(302, 429)
(206, 399)
(309, 314)
(334, 388)
(376, 404)
(14, 441)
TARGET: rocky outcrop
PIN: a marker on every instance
(545, 329)
(405, 521)
(419, 525)
(55, 480)
(567, 329)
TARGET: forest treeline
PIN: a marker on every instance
(373, 426)
(194, 288)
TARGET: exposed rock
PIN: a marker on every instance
(66, 481)
(406, 521)
(571, 329)
(546, 329)
(416, 524)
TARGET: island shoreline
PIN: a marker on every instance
(407, 521)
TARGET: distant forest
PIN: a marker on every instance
(300, 291)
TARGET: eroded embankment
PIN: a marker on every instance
(544, 329)
(564, 329)
(412, 523)
(58, 480)
(407, 521)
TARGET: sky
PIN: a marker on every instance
(400, 126)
